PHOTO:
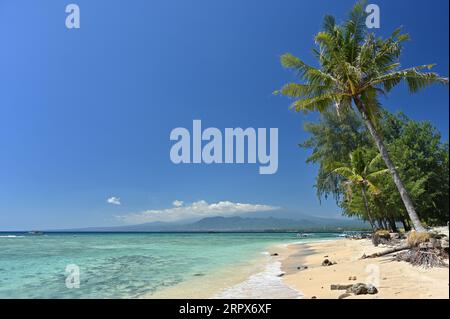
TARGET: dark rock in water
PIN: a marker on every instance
(198, 275)
(274, 254)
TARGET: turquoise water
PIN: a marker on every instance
(122, 265)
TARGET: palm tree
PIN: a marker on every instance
(358, 173)
(356, 68)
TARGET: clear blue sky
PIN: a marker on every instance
(86, 114)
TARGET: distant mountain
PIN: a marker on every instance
(238, 223)
(243, 224)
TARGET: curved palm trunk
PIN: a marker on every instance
(385, 155)
(366, 205)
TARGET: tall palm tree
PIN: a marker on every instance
(360, 174)
(356, 68)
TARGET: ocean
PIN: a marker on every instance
(142, 265)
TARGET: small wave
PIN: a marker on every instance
(264, 285)
(10, 236)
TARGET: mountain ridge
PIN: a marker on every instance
(238, 223)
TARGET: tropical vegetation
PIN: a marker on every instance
(418, 153)
(356, 68)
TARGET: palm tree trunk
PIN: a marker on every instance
(366, 205)
(392, 224)
(385, 155)
(406, 225)
(387, 252)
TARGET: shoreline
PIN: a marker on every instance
(213, 284)
(394, 280)
(257, 278)
(260, 277)
(294, 271)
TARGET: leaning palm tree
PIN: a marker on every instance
(362, 175)
(356, 68)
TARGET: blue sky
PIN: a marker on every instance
(86, 114)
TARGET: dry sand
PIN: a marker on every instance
(392, 278)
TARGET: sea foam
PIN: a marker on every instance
(10, 236)
(263, 285)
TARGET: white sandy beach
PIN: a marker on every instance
(278, 276)
(392, 278)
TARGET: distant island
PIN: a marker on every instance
(239, 224)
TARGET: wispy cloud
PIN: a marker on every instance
(113, 200)
(199, 209)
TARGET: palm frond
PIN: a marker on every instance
(372, 188)
(378, 173)
(290, 61)
(373, 164)
(415, 79)
(329, 23)
(317, 103)
(297, 90)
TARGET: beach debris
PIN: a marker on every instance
(281, 275)
(302, 267)
(423, 258)
(344, 295)
(363, 289)
(358, 236)
(426, 249)
(340, 287)
(352, 278)
(381, 236)
(357, 289)
(274, 254)
(398, 236)
(313, 297)
(444, 243)
(386, 252)
(328, 262)
(417, 238)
